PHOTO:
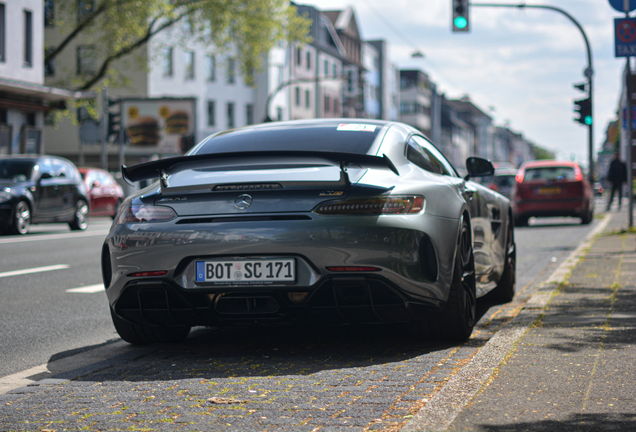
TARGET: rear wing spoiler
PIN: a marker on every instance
(161, 168)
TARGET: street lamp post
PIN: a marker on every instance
(588, 73)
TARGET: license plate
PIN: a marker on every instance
(247, 272)
(549, 190)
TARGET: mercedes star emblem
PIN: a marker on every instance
(243, 201)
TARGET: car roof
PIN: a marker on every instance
(548, 163)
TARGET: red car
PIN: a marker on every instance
(103, 191)
(551, 188)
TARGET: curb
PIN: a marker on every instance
(442, 409)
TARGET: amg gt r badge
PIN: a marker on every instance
(243, 201)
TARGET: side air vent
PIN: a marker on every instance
(208, 220)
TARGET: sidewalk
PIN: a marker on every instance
(575, 367)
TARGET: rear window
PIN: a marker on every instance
(553, 173)
(504, 180)
(305, 137)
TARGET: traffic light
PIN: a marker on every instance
(460, 16)
(114, 124)
(584, 108)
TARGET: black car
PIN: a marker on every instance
(40, 189)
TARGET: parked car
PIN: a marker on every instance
(502, 181)
(40, 189)
(104, 193)
(552, 188)
(321, 221)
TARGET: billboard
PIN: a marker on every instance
(158, 125)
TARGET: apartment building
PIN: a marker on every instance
(24, 99)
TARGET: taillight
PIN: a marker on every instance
(578, 175)
(374, 206)
(519, 177)
(142, 213)
(493, 187)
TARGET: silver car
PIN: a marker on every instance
(319, 222)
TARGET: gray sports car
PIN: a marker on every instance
(331, 221)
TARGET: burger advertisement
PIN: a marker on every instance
(158, 125)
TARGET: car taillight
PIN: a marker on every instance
(374, 206)
(519, 177)
(493, 187)
(578, 175)
(142, 213)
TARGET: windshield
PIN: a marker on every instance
(16, 170)
(549, 173)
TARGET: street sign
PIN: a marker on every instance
(633, 118)
(624, 37)
(619, 5)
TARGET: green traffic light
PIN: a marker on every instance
(588, 120)
(460, 22)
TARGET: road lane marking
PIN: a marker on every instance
(441, 410)
(37, 237)
(34, 270)
(89, 289)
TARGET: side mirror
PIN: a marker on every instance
(479, 167)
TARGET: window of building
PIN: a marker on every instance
(188, 62)
(299, 57)
(30, 118)
(326, 67)
(86, 59)
(327, 103)
(230, 115)
(308, 60)
(49, 66)
(28, 38)
(335, 70)
(211, 113)
(350, 81)
(84, 9)
(49, 13)
(210, 68)
(2, 32)
(280, 74)
(336, 109)
(231, 70)
(166, 63)
(297, 91)
(307, 99)
(249, 114)
(279, 114)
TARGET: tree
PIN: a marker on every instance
(540, 153)
(119, 28)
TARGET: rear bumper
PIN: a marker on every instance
(562, 207)
(335, 300)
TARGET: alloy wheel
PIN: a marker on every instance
(22, 218)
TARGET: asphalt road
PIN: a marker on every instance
(40, 321)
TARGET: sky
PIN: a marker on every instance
(519, 66)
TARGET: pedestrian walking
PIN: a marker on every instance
(616, 175)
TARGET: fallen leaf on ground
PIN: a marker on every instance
(224, 400)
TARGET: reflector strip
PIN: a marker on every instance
(149, 274)
(352, 269)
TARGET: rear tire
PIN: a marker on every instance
(587, 217)
(138, 334)
(505, 290)
(455, 322)
(21, 221)
(80, 218)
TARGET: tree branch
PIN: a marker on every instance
(131, 47)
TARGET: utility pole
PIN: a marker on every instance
(104, 157)
(588, 72)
